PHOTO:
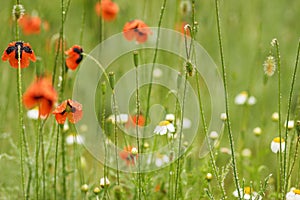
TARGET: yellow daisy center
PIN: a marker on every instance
(247, 190)
(296, 191)
(164, 123)
(278, 140)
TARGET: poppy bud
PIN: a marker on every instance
(111, 76)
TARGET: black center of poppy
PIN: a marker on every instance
(78, 51)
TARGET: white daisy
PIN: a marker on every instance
(164, 127)
(293, 194)
(121, 118)
(257, 131)
(33, 113)
(251, 100)
(72, 138)
(223, 116)
(290, 125)
(247, 193)
(241, 98)
(276, 143)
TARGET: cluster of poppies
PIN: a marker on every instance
(41, 93)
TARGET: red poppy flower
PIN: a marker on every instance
(74, 57)
(68, 109)
(136, 29)
(11, 54)
(107, 9)
(133, 121)
(30, 24)
(128, 156)
(40, 93)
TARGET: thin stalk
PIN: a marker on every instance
(103, 119)
(55, 161)
(116, 136)
(178, 167)
(294, 160)
(82, 23)
(137, 121)
(282, 167)
(101, 27)
(64, 11)
(231, 141)
(285, 175)
(64, 172)
(162, 11)
(21, 120)
(37, 149)
(41, 138)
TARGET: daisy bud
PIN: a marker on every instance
(111, 76)
(275, 116)
(84, 188)
(213, 135)
(146, 145)
(208, 177)
(136, 58)
(257, 131)
(290, 124)
(96, 190)
(104, 182)
(223, 116)
(134, 151)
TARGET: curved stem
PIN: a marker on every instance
(286, 176)
(230, 136)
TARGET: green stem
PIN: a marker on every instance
(63, 157)
(286, 176)
(55, 161)
(162, 11)
(231, 141)
(82, 23)
(137, 123)
(103, 119)
(43, 160)
(37, 149)
(116, 136)
(282, 167)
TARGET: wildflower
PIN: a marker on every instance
(275, 116)
(33, 113)
(290, 124)
(12, 54)
(241, 98)
(104, 182)
(136, 29)
(30, 24)
(40, 93)
(273, 42)
(247, 193)
(293, 194)
(128, 156)
(74, 57)
(134, 151)
(107, 9)
(121, 118)
(181, 28)
(257, 131)
(164, 127)
(68, 109)
(269, 66)
(276, 143)
(134, 121)
(74, 138)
